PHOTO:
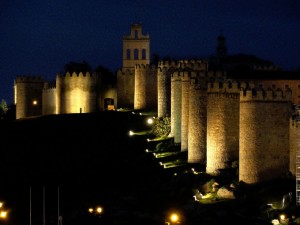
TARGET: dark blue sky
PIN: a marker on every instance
(39, 37)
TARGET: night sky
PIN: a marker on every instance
(39, 37)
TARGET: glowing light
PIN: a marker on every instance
(91, 210)
(141, 114)
(99, 210)
(174, 217)
(147, 150)
(150, 121)
(34, 102)
(282, 216)
(1, 204)
(3, 214)
(275, 222)
(131, 133)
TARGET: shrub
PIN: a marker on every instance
(161, 126)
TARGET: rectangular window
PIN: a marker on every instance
(128, 54)
(144, 54)
(136, 54)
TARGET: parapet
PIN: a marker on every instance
(182, 75)
(145, 67)
(196, 65)
(125, 71)
(167, 64)
(49, 85)
(66, 75)
(259, 94)
(29, 79)
(223, 87)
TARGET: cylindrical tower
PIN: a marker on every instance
(185, 89)
(222, 125)
(264, 135)
(140, 101)
(145, 87)
(176, 106)
(294, 140)
(77, 93)
(125, 88)
(197, 119)
(49, 99)
(164, 87)
(28, 99)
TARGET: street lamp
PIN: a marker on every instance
(97, 211)
(3, 214)
(173, 219)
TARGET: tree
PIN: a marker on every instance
(107, 76)
(161, 127)
(3, 109)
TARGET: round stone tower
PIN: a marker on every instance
(49, 99)
(77, 93)
(185, 89)
(294, 140)
(223, 103)
(264, 134)
(145, 87)
(28, 96)
(164, 72)
(176, 106)
(197, 119)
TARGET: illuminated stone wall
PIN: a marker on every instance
(49, 99)
(264, 135)
(294, 142)
(185, 89)
(197, 119)
(176, 106)
(125, 88)
(28, 96)
(145, 87)
(164, 71)
(222, 125)
(77, 93)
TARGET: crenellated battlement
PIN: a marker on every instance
(223, 87)
(28, 79)
(125, 72)
(49, 85)
(145, 67)
(196, 65)
(259, 94)
(74, 74)
(168, 64)
(182, 74)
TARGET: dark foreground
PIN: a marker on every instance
(93, 161)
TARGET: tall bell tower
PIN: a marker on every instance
(136, 47)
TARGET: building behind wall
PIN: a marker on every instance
(136, 52)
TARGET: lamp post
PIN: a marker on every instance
(173, 219)
(3, 212)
